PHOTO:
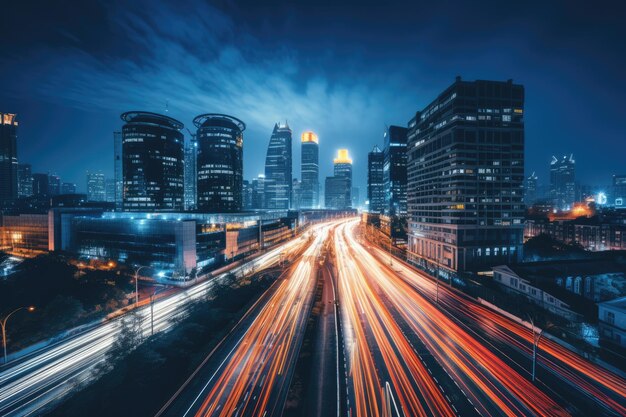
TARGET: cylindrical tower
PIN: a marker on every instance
(219, 162)
(152, 162)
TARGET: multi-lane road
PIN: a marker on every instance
(389, 341)
(250, 373)
(30, 385)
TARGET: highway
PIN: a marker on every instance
(32, 384)
(250, 373)
(500, 347)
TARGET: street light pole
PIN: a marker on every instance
(3, 323)
(137, 284)
(536, 340)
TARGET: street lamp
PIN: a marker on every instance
(137, 284)
(536, 340)
(3, 323)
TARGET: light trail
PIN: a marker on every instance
(51, 373)
(253, 378)
(595, 382)
(379, 353)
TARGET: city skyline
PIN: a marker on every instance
(58, 106)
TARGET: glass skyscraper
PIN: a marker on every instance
(191, 172)
(338, 188)
(219, 163)
(117, 170)
(466, 175)
(96, 186)
(8, 157)
(278, 174)
(394, 170)
(310, 184)
(563, 182)
(25, 180)
(375, 181)
(152, 162)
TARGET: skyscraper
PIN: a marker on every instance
(395, 170)
(219, 162)
(247, 195)
(109, 190)
(54, 185)
(296, 194)
(466, 174)
(68, 188)
(337, 192)
(375, 181)
(118, 170)
(356, 197)
(8, 157)
(338, 188)
(191, 172)
(563, 182)
(24, 180)
(40, 185)
(310, 185)
(530, 191)
(96, 186)
(152, 162)
(619, 191)
(258, 192)
(278, 174)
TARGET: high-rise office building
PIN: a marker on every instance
(40, 185)
(118, 170)
(530, 191)
(110, 190)
(465, 177)
(342, 167)
(356, 197)
(219, 162)
(8, 157)
(191, 172)
(310, 185)
(68, 188)
(296, 194)
(96, 186)
(258, 192)
(24, 180)
(619, 191)
(337, 192)
(395, 170)
(247, 195)
(563, 182)
(54, 185)
(375, 181)
(278, 173)
(152, 162)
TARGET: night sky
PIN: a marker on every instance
(68, 69)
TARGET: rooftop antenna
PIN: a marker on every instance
(167, 102)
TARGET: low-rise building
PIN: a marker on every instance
(612, 321)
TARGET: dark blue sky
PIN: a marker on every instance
(342, 69)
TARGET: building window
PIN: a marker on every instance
(610, 317)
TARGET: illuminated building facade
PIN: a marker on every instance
(96, 186)
(40, 185)
(54, 185)
(258, 192)
(118, 170)
(191, 173)
(337, 193)
(465, 177)
(152, 162)
(310, 185)
(619, 191)
(24, 180)
(563, 182)
(530, 191)
(278, 172)
(394, 170)
(219, 163)
(68, 188)
(375, 180)
(8, 157)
